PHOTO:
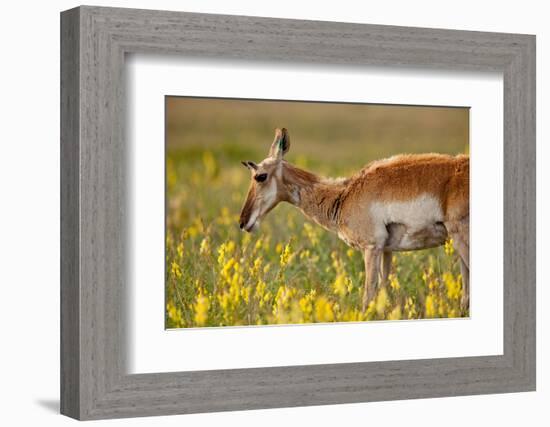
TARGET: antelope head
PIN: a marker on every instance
(267, 187)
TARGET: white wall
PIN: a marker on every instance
(29, 211)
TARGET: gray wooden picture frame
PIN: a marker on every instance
(94, 42)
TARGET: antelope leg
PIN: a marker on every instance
(385, 268)
(460, 233)
(465, 272)
(372, 265)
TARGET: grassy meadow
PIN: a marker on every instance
(291, 270)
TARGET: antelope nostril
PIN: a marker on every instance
(241, 225)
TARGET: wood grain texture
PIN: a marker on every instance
(70, 221)
(94, 270)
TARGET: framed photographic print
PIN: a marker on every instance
(262, 213)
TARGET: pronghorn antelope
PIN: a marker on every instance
(403, 203)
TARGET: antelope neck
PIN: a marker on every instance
(319, 199)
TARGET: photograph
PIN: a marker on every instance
(295, 212)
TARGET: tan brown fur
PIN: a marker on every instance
(246, 210)
(355, 207)
(316, 196)
(408, 175)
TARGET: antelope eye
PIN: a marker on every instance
(260, 177)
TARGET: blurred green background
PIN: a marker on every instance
(334, 137)
(206, 185)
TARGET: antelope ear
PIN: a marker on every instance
(250, 165)
(281, 143)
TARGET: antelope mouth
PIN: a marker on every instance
(251, 228)
(251, 225)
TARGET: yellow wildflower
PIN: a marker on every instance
(258, 244)
(449, 248)
(342, 285)
(371, 311)
(410, 308)
(323, 310)
(352, 315)
(205, 247)
(381, 301)
(179, 250)
(175, 315)
(442, 308)
(256, 267)
(285, 255)
(296, 314)
(395, 314)
(193, 231)
(202, 305)
(225, 249)
(452, 313)
(245, 294)
(176, 270)
(454, 286)
(221, 254)
(226, 268)
(430, 306)
(339, 285)
(260, 293)
(306, 306)
(394, 283)
(282, 303)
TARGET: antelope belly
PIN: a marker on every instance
(402, 239)
(416, 214)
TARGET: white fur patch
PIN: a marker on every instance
(415, 214)
(269, 195)
(266, 199)
(252, 221)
